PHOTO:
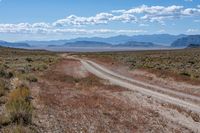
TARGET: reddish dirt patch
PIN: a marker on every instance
(69, 102)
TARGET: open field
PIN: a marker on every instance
(42, 91)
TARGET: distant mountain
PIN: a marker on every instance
(14, 45)
(161, 39)
(186, 41)
(45, 43)
(102, 44)
(137, 44)
(193, 46)
(87, 44)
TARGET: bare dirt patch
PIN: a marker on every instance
(67, 101)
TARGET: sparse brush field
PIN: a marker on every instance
(180, 64)
(18, 68)
(43, 92)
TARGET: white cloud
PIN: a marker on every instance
(161, 13)
(193, 30)
(143, 25)
(101, 18)
(118, 11)
(190, 12)
(43, 28)
(125, 18)
(140, 14)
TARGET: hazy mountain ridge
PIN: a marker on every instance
(186, 41)
(87, 44)
(161, 39)
(137, 44)
(13, 44)
(103, 44)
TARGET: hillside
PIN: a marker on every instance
(185, 41)
(11, 44)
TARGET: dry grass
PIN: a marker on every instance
(17, 66)
(19, 107)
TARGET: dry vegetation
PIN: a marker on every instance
(17, 69)
(180, 64)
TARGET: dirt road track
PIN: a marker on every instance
(131, 84)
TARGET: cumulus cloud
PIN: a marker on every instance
(161, 13)
(101, 18)
(44, 28)
(138, 14)
(141, 15)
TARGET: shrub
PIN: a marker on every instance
(31, 78)
(185, 74)
(5, 74)
(2, 88)
(29, 59)
(4, 121)
(18, 107)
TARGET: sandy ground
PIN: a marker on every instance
(68, 98)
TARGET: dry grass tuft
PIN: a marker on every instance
(18, 106)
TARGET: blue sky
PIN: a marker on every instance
(64, 19)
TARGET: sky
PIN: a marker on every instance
(65, 19)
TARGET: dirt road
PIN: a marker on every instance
(160, 94)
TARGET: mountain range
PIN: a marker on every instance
(87, 44)
(13, 44)
(157, 40)
(160, 39)
(186, 41)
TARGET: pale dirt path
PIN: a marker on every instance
(159, 89)
(126, 82)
